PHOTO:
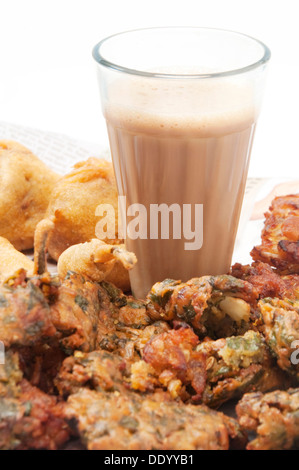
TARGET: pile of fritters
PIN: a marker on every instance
(59, 217)
(90, 367)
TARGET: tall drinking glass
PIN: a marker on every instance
(181, 106)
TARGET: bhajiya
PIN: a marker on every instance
(237, 365)
(280, 236)
(25, 317)
(26, 185)
(281, 331)
(29, 418)
(98, 370)
(273, 416)
(11, 260)
(210, 372)
(216, 306)
(129, 421)
(266, 281)
(71, 215)
(98, 261)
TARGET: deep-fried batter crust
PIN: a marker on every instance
(237, 365)
(210, 372)
(113, 421)
(216, 306)
(25, 317)
(281, 331)
(274, 416)
(10, 376)
(280, 236)
(75, 313)
(33, 420)
(171, 361)
(122, 320)
(98, 370)
(266, 281)
(29, 419)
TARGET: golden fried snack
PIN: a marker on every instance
(280, 236)
(99, 262)
(97, 370)
(281, 332)
(29, 419)
(26, 184)
(210, 372)
(11, 260)
(215, 306)
(273, 416)
(266, 281)
(115, 421)
(71, 215)
(25, 317)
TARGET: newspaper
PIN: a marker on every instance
(61, 152)
(58, 151)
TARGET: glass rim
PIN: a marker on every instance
(111, 65)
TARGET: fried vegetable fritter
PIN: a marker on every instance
(210, 372)
(281, 331)
(29, 418)
(280, 236)
(122, 321)
(72, 207)
(98, 261)
(266, 281)
(237, 365)
(98, 370)
(274, 416)
(170, 360)
(25, 317)
(217, 306)
(75, 313)
(128, 421)
(10, 376)
(11, 260)
(26, 185)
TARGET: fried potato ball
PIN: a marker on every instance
(71, 215)
(12, 260)
(99, 262)
(26, 184)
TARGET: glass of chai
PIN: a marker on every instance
(181, 106)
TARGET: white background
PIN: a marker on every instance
(47, 74)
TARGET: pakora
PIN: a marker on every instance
(280, 236)
(98, 261)
(75, 313)
(26, 185)
(98, 370)
(109, 421)
(11, 260)
(72, 208)
(25, 317)
(273, 416)
(281, 331)
(171, 360)
(216, 306)
(29, 418)
(237, 365)
(266, 281)
(210, 372)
